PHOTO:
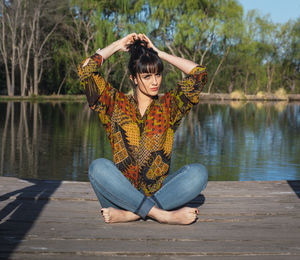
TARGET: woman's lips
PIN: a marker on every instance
(154, 89)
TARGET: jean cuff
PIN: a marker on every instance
(144, 208)
(153, 198)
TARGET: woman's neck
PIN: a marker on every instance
(143, 101)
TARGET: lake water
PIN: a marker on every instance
(235, 141)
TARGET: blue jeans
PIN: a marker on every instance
(113, 189)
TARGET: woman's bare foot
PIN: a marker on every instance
(183, 216)
(112, 215)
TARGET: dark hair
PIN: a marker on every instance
(143, 59)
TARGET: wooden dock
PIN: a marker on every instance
(61, 220)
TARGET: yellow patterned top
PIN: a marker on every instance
(141, 145)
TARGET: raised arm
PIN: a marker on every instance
(119, 45)
(184, 65)
(90, 79)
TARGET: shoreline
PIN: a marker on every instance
(203, 96)
(44, 98)
(265, 97)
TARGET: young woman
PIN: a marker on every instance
(140, 127)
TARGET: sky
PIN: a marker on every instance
(280, 10)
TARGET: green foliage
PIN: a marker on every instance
(246, 52)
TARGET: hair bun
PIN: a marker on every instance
(137, 47)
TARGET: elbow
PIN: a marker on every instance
(201, 76)
(204, 78)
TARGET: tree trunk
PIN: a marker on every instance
(246, 82)
(8, 83)
(206, 51)
(123, 79)
(35, 75)
(61, 84)
(230, 87)
(270, 73)
(35, 46)
(218, 69)
(11, 23)
(26, 56)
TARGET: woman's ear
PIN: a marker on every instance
(134, 80)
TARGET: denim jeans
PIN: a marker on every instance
(113, 189)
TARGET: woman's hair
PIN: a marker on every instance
(143, 59)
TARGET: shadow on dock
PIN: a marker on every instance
(197, 202)
(19, 215)
(295, 185)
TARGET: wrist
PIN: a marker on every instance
(109, 50)
(161, 54)
(116, 46)
(98, 51)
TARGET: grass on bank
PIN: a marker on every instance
(281, 93)
(237, 95)
(41, 98)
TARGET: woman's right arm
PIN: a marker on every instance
(93, 84)
(120, 45)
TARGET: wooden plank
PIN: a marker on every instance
(56, 219)
(159, 247)
(138, 257)
(46, 256)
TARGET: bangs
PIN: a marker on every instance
(150, 64)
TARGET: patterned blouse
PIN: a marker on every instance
(141, 145)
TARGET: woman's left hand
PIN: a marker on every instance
(149, 43)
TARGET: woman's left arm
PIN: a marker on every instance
(184, 65)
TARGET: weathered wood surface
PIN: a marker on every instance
(61, 220)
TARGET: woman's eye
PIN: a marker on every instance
(158, 74)
(146, 77)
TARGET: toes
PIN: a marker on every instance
(107, 221)
(107, 218)
(195, 211)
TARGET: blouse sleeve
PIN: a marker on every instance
(99, 93)
(186, 94)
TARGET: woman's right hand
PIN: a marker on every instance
(128, 39)
(119, 45)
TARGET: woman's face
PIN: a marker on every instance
(149, 83)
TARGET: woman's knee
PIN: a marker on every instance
(198, 175)
(99, 168)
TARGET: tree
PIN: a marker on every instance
(9, 17)
(48, 15)
(289, 55)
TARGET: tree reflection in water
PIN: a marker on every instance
(241, 141)
(234, 140)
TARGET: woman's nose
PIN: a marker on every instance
(154, 80)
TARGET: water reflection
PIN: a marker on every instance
(242, 141)
(50, 140)
(236, 140)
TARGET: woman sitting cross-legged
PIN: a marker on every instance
(141, 127)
